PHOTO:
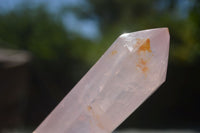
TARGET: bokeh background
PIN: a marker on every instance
(46, 46)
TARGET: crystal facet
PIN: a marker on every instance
(128, 73)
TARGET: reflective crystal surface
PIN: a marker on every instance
(128, 73)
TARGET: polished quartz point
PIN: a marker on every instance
(132, 68)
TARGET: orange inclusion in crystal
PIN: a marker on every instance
(145, 46)
(89, 108)
(143, 62)
(145, 69)
(96, 117)
(114, 52)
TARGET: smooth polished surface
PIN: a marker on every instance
(128, 73)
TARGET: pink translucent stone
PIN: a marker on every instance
(129, 72)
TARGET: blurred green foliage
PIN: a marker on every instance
(45, 36)
(118, 16)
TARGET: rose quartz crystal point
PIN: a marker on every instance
(128, 73)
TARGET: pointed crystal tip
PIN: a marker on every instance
(122, 79)
(150, 48)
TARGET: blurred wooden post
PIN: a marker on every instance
(14, 84)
